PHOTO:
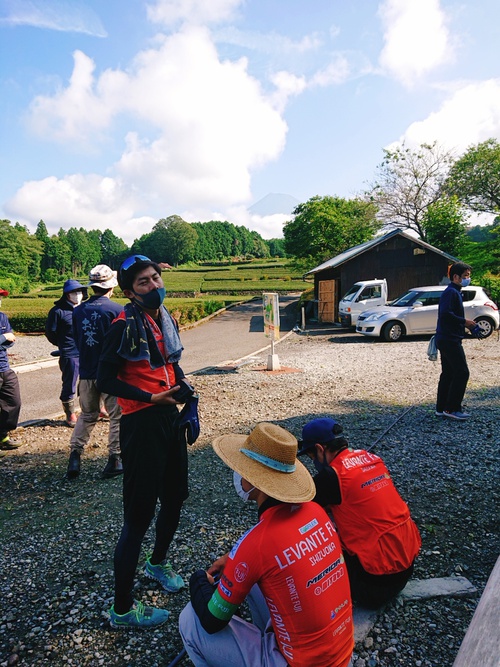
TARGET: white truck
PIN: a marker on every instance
(361, 296)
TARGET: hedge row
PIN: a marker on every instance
(185, 312)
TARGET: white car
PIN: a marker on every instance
(416, 313)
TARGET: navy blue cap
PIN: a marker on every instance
(322, 430)
(72, 286)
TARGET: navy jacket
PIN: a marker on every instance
(59, 328)
(91, 321)
(451, 318)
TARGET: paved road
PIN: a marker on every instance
(234, 334)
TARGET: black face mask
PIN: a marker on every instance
(152, 300)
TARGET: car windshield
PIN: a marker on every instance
(408, 299)
(351, 293)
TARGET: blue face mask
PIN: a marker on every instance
(152, 300)
(465, 282)
(318, 465)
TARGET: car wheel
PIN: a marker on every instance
(393, 331)
(486, 325)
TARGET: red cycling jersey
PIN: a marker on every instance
(140, 374)
(373, 520)
(294, 555)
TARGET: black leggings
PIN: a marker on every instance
(129, 547)
(374, 590)
(155, 469)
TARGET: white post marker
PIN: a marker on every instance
(272, 326)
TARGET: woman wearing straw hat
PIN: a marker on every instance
(289, 566)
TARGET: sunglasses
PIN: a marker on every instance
(133, 259)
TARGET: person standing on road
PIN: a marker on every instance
(140, 364)
(380, 540)
(289, 567)
(59, 331)
(450, 332)
(91, 321)
(10, 397)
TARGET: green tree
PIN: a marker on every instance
(58, 256)
(79, 247)
(276, 247)
(444, 225)
(260, 247)
(113, 249)
(42, 235)
(20, 255)
(326, 226)
(41, 232)
(166, 222)
(94, 249)
(181, 240)
(475, 177)
(482, 249)
(408, 182)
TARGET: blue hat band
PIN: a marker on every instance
(268, 462)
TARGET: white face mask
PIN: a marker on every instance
(244, 495)
(75, 297)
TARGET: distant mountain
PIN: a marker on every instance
(274, 203)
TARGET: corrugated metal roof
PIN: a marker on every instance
(363, 247)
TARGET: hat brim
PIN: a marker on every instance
(289, 487)
(105, 284)
(75, 288)
(305, 447)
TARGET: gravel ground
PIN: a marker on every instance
(58, 537)
(29, 348)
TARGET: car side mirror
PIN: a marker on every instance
(417, 304)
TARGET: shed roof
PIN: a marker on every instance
(363, 247)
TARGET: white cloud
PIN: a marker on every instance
(197, 127)
(53, 15)
(470, 115)
(201, 12)
(335, 73)
(416, 38)
(91, 202)
(74, 113)
(270, 43)
(214, 123)
(286, 85)
(209, 121)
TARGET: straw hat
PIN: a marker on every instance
(267, 458)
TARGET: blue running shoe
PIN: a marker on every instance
(139, 616)
(170, 580)
(458, 415)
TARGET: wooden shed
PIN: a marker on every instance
(403, 260)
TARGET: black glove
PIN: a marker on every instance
(185, 391)
(477, 332)
(188, 423)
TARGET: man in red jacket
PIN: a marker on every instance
(379, 539)
(289, 567)
(140, 365)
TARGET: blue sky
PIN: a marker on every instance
(115, 114)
